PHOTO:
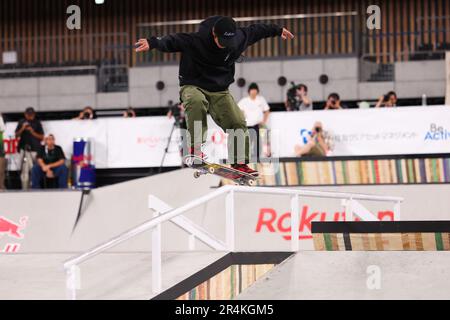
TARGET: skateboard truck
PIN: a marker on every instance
(203, 167)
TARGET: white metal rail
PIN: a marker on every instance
(163, 213)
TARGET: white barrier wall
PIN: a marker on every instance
(385, 131)
(140, 142)
(262, 221)
(45, 220)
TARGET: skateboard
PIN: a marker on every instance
(203, 167)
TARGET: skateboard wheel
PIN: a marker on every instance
(251, 182)
(211, 170)
(188, 161)
(197, 174)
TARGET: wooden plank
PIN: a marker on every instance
(2, 31)
(132, 23)
(432, 16)
(323, 29)
(426, 21)
(334, 28)
(447, 21)
(440, 23)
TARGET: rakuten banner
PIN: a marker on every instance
(385, 131)
(264, 222)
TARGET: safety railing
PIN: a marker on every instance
(63, 50)
(164, 213)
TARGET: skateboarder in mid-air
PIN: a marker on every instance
(206, 71)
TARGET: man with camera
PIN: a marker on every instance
(333, 102)
(298, 99)
(316, 145)
(129, 113)
(87, 113)
(31, 133)
(388, 100)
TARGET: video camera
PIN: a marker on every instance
(292, 99)
(175, 110)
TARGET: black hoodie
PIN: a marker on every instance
(203, 63)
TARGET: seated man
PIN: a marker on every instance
(51, 163)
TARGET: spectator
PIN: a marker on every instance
(31, 133)
(256, 112)
(129, 113)
(2, 155)
(88, 113)
(316, 145)
(51, 164)
(334, 102)
(388, 100)
(298, 100)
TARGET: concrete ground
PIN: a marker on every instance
(107, 276)
(306, 275)
(355, 275)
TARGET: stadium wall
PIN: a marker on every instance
(412, 79)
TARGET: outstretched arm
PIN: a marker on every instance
(172, 43)
(259, 31)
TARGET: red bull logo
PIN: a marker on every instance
(269, 220)
(12, 230)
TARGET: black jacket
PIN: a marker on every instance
(203, 63)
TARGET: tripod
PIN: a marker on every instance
(176, 124)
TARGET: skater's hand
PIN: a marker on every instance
(142, 45)
(286, 34)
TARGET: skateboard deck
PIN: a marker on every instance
(204, 167)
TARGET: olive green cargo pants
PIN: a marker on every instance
(224, 111)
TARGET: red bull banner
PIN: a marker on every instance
(11, 234)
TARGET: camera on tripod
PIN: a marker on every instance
(292, 96)
(175, 110)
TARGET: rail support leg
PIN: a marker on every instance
(156, 257)
(72, 282)
(229, 224)
(295, 224)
